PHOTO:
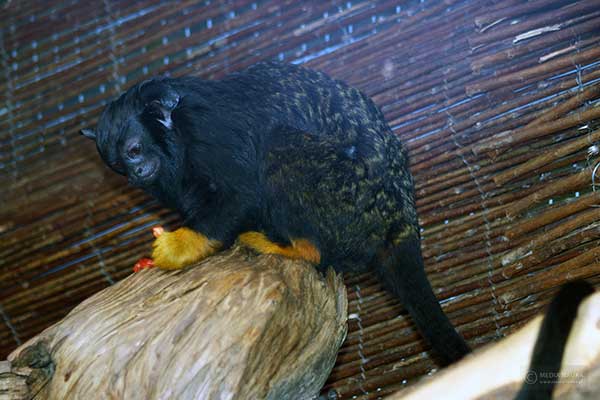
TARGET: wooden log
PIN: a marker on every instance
(236, 326)
(13, 382)
(498, 370)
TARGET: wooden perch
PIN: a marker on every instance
(498, 370)
(237, 326)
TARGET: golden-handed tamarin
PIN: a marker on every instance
(289, 161)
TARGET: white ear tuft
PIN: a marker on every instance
(165, 107)
(167, 122)
(88, 133)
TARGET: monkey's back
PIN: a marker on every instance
(312, 101)
(335, 172)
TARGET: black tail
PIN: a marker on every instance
(550, 345)
(401, 270)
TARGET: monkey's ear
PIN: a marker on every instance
(88, 133)
(163, 107)
(160, 99)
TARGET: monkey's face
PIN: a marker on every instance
(136, 137)
(138, 156)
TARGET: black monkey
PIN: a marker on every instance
(287, 160)
(552, 339)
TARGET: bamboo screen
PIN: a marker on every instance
(497, 102)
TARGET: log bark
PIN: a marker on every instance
(236, 326)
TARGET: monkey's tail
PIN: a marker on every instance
(401, 269)
(550, 344)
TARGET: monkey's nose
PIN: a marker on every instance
(144, 170)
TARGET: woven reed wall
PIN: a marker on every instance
(497, 102)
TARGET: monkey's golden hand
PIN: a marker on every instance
(180, 248)
(177, 249)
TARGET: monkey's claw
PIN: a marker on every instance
(157, 231)
(143, 263)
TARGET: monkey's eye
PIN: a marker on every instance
(134, 150)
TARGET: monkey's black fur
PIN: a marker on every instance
(552, 339)
(289, 152)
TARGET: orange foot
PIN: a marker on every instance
(300, 248)
(177, 249)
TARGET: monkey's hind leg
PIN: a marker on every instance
(299, 249)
